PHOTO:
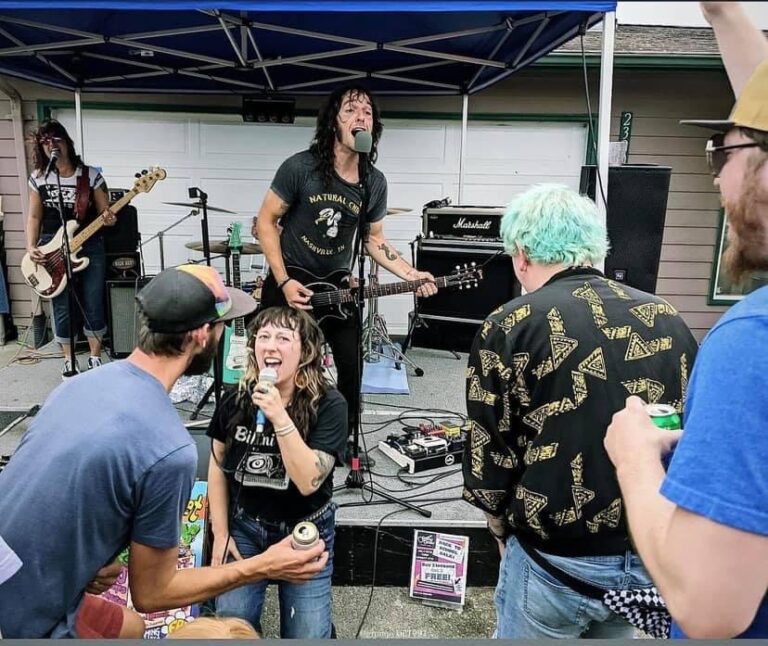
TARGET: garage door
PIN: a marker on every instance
(234, 162)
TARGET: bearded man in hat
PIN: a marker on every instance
(702, 529)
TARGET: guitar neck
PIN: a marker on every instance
(389, 289)
(239, 323)
(79, 240)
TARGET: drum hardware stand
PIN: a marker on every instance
(159, 235)
(376, 340)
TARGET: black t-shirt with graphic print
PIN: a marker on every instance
(49, 195)
(319, 227)
(254, 468)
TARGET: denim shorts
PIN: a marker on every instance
(306, 609)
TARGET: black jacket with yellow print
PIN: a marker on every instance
(546, 373)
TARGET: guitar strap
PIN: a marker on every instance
(82, 193)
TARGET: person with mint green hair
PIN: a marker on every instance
(546, 372)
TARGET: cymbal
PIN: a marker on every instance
(197, 205)
(396, 211)
(222, 246)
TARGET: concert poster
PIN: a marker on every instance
(439, 568)
(161, 624)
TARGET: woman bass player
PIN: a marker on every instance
(264, 477)
(84, 196)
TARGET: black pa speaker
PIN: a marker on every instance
(123, 315)
(269, 109)
(450, 319)
(637, 208)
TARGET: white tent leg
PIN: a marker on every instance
(604, 116)
(463, 151)
(79, 123)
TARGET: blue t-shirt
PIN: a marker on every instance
(105, 462)
(718, 470)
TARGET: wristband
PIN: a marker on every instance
(285, 430)
(282, 283)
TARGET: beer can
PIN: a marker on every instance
(664, 416)
(305, 536)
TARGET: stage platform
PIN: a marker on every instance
(370, 528)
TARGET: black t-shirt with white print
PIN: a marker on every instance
(254, 466)
(49, 195)
(318, 230)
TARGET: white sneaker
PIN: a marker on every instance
(66, 370)
(94, 362)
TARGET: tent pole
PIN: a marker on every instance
(463, 151)
(79, 122)
(604, 116)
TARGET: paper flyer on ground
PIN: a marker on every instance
(439, 568)
(161, 624)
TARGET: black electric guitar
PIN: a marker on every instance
(334, 298)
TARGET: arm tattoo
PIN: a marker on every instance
(324, 464)
(391, 255)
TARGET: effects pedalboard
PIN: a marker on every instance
(427, 447)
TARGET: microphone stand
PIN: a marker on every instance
(355, 477)
(68, 272)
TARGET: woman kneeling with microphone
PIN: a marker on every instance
(267, 474)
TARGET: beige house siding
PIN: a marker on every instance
(658, 100)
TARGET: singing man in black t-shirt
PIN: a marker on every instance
(316, 197)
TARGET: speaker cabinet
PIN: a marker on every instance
(123, 315)
(450, 319)
(121, 242)
(637, 208)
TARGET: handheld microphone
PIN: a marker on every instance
(363, 141)
(266, 376)
(55, 154)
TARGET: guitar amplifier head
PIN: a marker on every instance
(464, 222)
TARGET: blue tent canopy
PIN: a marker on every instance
(445, 47)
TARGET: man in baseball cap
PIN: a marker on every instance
(106, 463)
(715, 493)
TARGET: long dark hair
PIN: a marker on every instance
(322, 146)
(52, 128)
(309, 380)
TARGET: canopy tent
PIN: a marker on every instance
(402, 47)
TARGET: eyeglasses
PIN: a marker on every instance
(48, 139)
(717, 153)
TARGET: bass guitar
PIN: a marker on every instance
(235, 339)
(334, 298)
(49, 277)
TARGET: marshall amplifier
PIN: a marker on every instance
(463, 222)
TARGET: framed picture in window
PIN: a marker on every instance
(722, 290)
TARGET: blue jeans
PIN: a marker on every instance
(306, 609)
(530, 603)
(88, 303)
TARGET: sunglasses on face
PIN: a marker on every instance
(50, 140)
(717, 152)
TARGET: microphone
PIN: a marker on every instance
(55, 154)
(266, 376)
(363, 140)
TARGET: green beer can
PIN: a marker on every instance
(664, 416)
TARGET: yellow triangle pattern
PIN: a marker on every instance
(510, 321)
(610, 517)
(616, 289)
(555, 319)
(539, 453)
(491, 498)
(594, 364)
(476, 393)
(561, 347)
(488, 361)
(478, 438)
(621, 332)
(508, 461)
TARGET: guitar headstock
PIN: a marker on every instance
(234, 242)
(146, 179)
(465, 276)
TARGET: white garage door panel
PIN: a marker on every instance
(234, 162)
(262, 143)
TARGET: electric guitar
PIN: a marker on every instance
(49, 277)
(333, 298)
(235, 339)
